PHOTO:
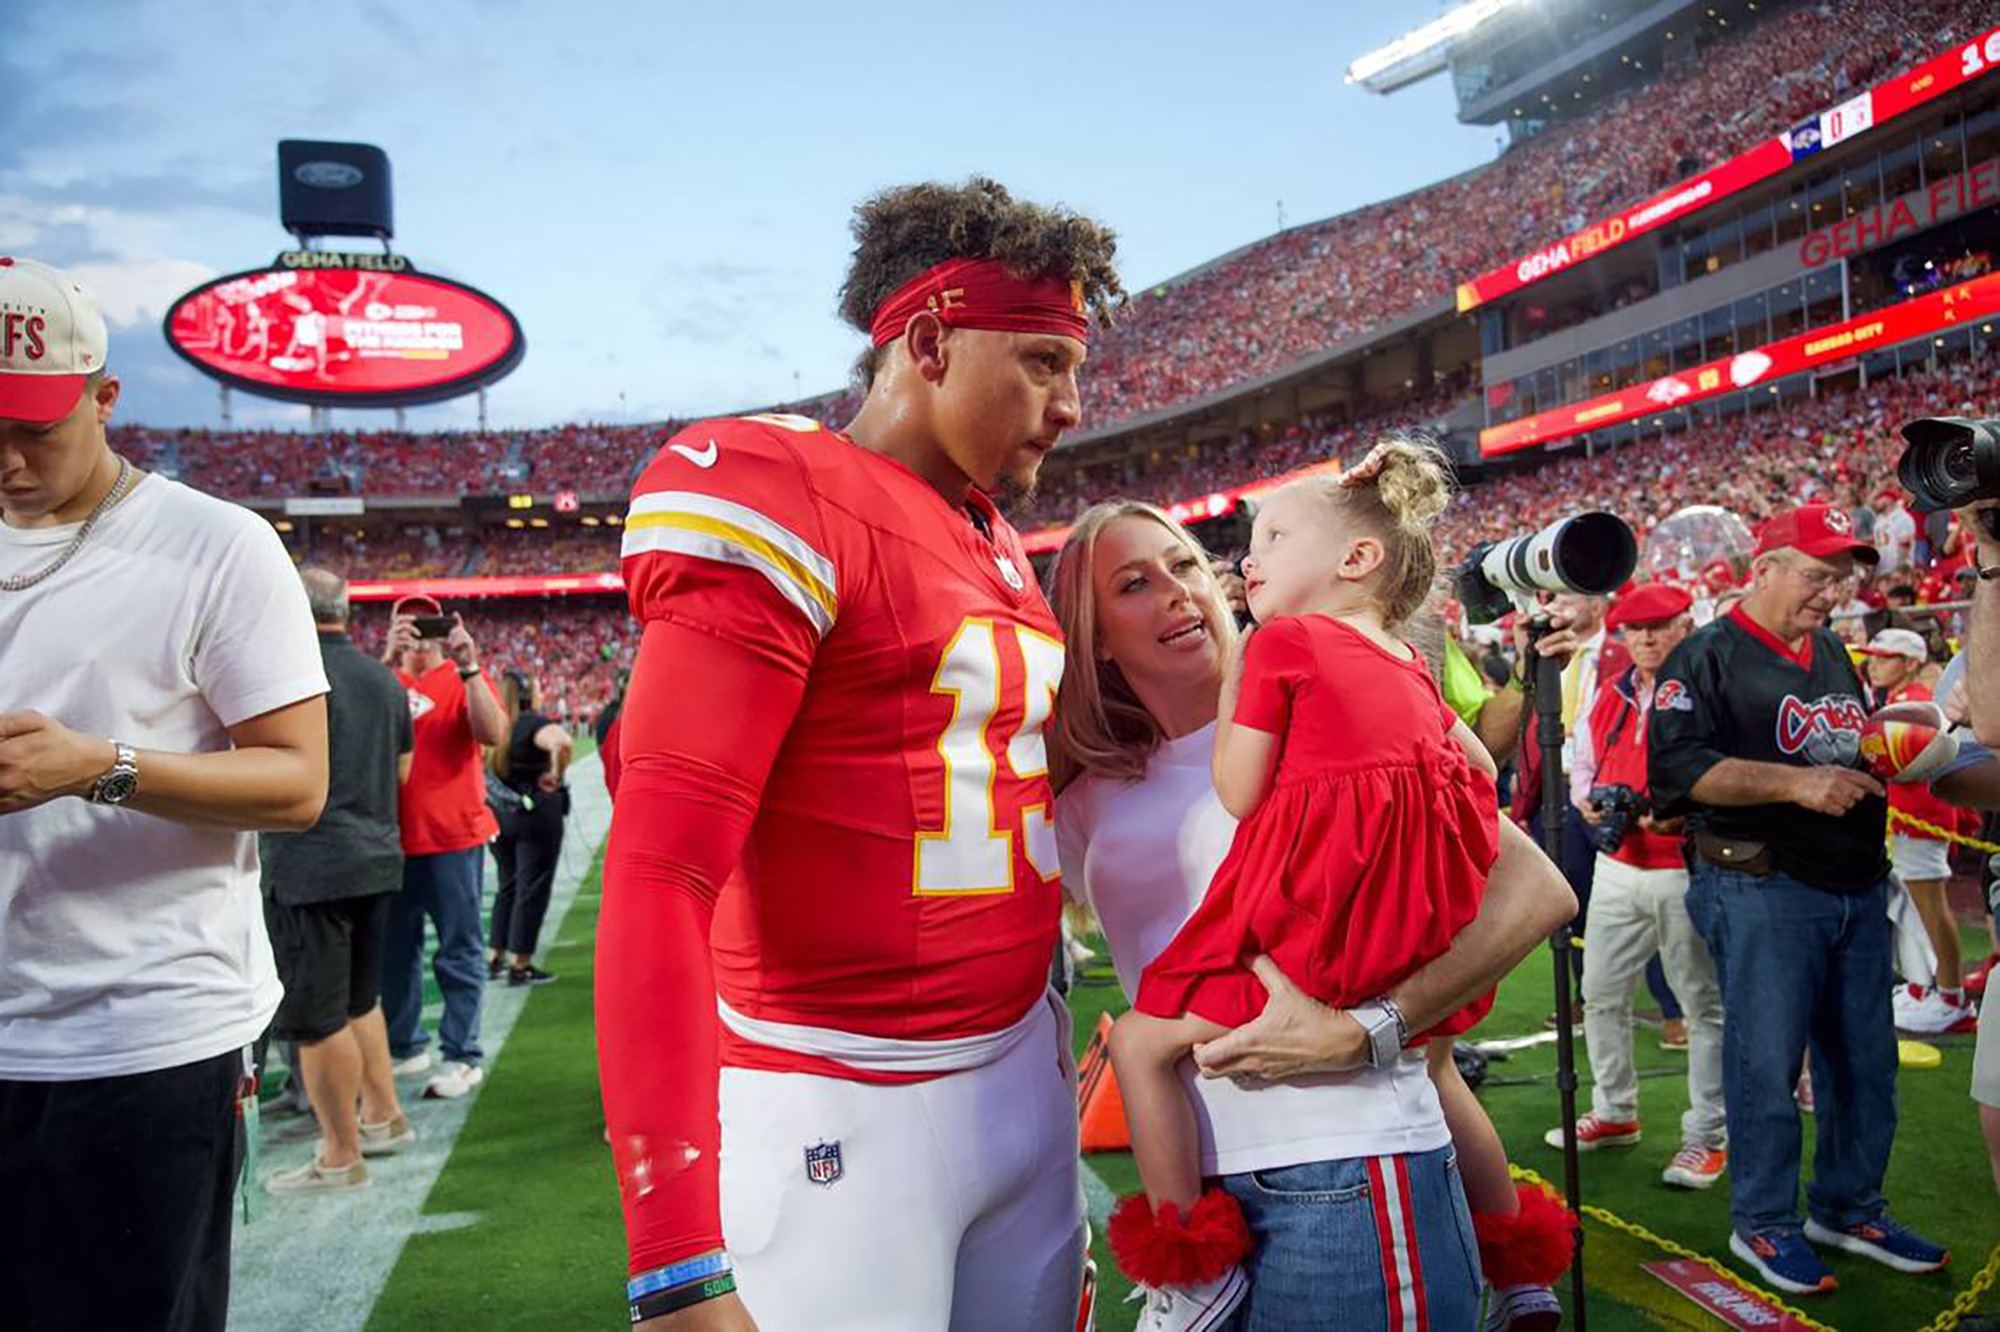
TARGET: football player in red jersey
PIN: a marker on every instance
(831, 890)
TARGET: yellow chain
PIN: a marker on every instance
(1633, 1228)
(1897, 816)
(1981, 1282)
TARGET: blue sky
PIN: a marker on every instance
(661, 191)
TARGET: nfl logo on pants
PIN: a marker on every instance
(823, 1162)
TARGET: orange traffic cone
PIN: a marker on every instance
(1100, 1109)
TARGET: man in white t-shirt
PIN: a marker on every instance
(161, 699)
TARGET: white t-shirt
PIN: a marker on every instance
(1141, 854)
(130, 943)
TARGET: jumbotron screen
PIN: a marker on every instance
(340, 336)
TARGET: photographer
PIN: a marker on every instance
(1754, 735)
(446, 825)
(1954, 463)
(1640, 908)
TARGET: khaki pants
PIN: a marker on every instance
(1635, 913)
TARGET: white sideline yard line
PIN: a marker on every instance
(321, 1262)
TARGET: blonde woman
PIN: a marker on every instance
(1293, 1122)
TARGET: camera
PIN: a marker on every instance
(1592, 553)
(1618, 807)
(1950, 462)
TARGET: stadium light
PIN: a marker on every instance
(1424, 51)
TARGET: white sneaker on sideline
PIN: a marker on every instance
(1522, 1309)
(1928, 1011)
(453, 1080)
(420, 1062)
(388, 1137)
(1190, 1308)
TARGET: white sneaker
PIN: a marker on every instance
(1522, 1309)
(1190, 1308)
(388, 1137)
(453, 1080)
(420, 1062)
(1928, 1011)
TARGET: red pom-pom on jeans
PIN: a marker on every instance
(1530, 1248)
(1164, 1249)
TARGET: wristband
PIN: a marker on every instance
(664, 1302)
(467, 675)
(678, 1274)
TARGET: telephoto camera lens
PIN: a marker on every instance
(1950, 461)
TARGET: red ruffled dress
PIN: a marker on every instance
(1368, 854)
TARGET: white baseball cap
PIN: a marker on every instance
(51, 339)
(1898, 643)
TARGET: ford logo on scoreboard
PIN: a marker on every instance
(341, 332)
(327, 175)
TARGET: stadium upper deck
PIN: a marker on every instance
(1298, 345)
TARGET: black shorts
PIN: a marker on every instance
(330, 960)
(118, 1198)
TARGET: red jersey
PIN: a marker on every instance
(832, 828)
(443, 805)
(900, 878)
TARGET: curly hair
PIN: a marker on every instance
(900, 232)
(1402, 502)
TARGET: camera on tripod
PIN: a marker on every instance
(1593, 553)
(1953, 461)
(1618, 808)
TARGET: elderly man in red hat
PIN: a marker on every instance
(1639, 905)
(1755, 738)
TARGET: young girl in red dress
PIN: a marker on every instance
(1368, 823)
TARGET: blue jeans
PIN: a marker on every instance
(446, 887)
(1800, 969)
(1321, 1257)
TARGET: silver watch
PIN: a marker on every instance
(1387, 1033)
(122, 782)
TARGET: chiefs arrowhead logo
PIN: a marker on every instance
(420, 703)
(1838, 521)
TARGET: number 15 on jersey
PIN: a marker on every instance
(984, 809)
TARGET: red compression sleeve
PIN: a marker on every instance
(702, 723)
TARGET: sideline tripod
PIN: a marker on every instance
(1545, 695)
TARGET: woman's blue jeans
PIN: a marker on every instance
(1337, 1241)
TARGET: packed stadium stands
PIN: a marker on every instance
(1266, 307)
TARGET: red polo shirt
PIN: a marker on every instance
(443, 805)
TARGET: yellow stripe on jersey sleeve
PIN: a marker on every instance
(709, 528)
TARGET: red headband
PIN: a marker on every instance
(981, 293)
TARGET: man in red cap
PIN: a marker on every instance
(445, 826)
(161, 701)
(1755, 739)
(1639, 904)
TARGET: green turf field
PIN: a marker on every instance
(534, 1238)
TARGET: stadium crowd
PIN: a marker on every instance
(1249, 313)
